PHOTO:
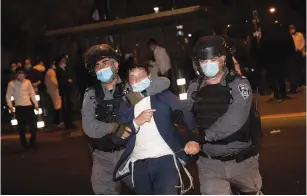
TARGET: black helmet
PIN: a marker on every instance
(98, 52)
(208, 47)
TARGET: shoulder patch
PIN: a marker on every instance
(244, 90)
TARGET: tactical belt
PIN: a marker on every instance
(239, 157)
(111, 150)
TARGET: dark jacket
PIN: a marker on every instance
(63, 76)
(164, 103)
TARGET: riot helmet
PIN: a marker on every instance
(209, 50)
(103, 70)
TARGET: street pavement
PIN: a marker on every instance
(62, 163)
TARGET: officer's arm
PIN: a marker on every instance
(237, 113)
(158, 84)
(188, 119)
(125, 115)
(89, 122)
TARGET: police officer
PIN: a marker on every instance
(98, 115)
(222, 105)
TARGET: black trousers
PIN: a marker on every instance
(278, 85)
(67, 110)
(25, 115)
(296, 71)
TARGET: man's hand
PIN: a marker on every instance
(126, 133)
(192, 148)
(12, 109)
(36, 83)
(145, 116)
(70, 80)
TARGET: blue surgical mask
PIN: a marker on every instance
(142, 85)
(210, 69)
(104, 75)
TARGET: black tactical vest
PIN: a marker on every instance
(210, 103)
(106, 111)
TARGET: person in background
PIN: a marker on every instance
(19, 64)
(13, 67)
(52, 88)
(163, 63)
(23, 93)
(12, 71)
(298, 68)
(65, 89)
(31, 74)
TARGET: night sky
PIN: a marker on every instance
(24, 23)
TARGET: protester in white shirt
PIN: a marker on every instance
(162, 64)
(52, 87)
(23, 93)
(298, 67)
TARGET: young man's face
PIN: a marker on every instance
(20, 75)
(13, 66)
(152, 47)
(27, 62)
(292, 29)
(136, 75)
(63, 62)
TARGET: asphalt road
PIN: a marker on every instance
(62, 165)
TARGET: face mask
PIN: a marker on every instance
(28, 66)
(104, 75)
(210, 69)
(21, 76)
(142, 85)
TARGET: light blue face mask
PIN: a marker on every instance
(105, 75)
(142, 85)
(210, 69)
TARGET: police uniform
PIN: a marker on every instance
(224, 117)
(99, 123)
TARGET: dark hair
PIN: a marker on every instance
(19, 69)
(28, 58)
(59, 58)
(139, 66)
(292, 26)
(151, 41)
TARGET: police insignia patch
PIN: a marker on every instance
(244, 90)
